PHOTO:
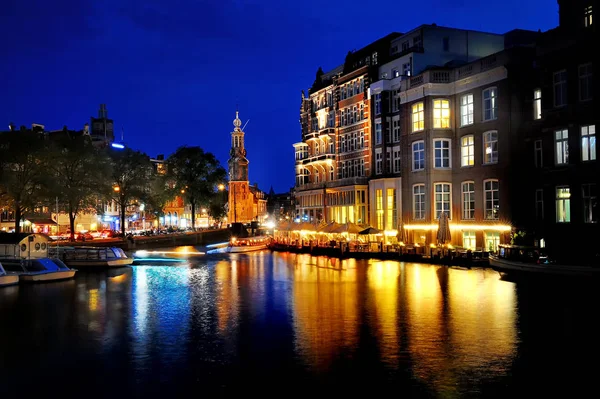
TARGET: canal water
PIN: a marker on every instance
(279, 324)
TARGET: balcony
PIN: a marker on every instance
(349, 181)
(318, 158)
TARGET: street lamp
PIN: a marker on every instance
(116, 189)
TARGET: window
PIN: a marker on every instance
(388, 130)
(539, 204)
(468, 200)
(377, 103)
(378, 138)
(418, 155)
(446, 43)
(361, 140)
(491, 199)
(396, 129)
(538, 157)
(442, 199)
(585, 82)
(397, 163)
(406, 69)
(388, 160)
(467, 151)
(395, 73)
(588, 143)
(563, 204)
(405, 45)
(561, 138)
(590, 203)
(469, 240)
(379, 208)
(374, 58)
(537, 104)
(587, 16)
(441, 114)
(419, 201)
(492, 239)
(490, 104)
(490, 147)
(378, 161)
(441, 149)
(391, 214)
(418, 117)
(466, 110)
(560, 88)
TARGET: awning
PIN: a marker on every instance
(41, 220)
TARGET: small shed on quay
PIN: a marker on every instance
(24, 245)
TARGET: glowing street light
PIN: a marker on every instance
(221, 187)
(116, 189)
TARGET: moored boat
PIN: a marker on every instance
(7, 278)
(91, 257)
(516, 259)
(248, 244)
(39, 269)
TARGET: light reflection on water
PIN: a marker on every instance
(225, 318)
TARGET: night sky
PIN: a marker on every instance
(171, 72)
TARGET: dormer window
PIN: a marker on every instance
(587, 16)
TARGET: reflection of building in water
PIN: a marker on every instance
(326, 317)
(227, 302)
(461, 323)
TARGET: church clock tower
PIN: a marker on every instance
(240, 198)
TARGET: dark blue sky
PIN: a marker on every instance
(171, 72)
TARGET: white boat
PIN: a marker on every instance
(515, 259)
(248, 244)
(39, 269)
(7, 278)
(91, 257)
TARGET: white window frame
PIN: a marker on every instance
(467, 151)
(559, 86)
(441, 113)
(396, 129)
(419, 193)
(588, 143)
(585, 73)
(378, 104)
(443, 202)
(538, 154)
(422, 163)
(378, 161)
(488, 211)
(563, 202)
(490, 157)
(589, 195)
(378, 132)
(490, 104)
(587, 16)
(468, 200)
(397, 159)
(469, 239)
(537, 104)
(445, 154)
(418, 117)
(467, 110)
(561, 146)
(388, 160)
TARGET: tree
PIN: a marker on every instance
(158, 194)
(79, 173)
(196, 175)
(216, 208)
(21, 171)
(131, 171)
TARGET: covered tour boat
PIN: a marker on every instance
(248, 244)
(91, 257)
(7, 278)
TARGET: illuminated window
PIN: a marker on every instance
(469, 240)
(585, 82)
(442, 199)
(537, 104)
(466, 110)
(418, 150)
(561, 140)
(590, 203)
(490, 104)
(490, 147)
(441, 114)
(539, 204)
(560, 88)
(441, 150)
(418, 117)
(378, 161)
(587, 16)
(588, 143)
(563, 204)
(538, 155)
(467, 151)
(419, 201)
(491, 199)
(468, 200)
(378, 135)
(492, 239)
(391, 209)
(379, 208)
(397, 164)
